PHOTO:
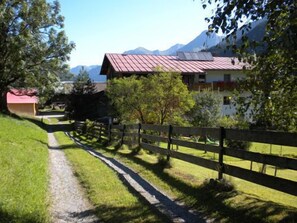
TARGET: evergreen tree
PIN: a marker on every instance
(83, 85)
(80, 100)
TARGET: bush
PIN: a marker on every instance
(227, 122)
(235, 144)
(89, 126)
(218, 185)
(163, 162)
(230, 122)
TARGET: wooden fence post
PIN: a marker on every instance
(110, 122)
(169, 141)
(221, 153)
(100, 129)
(139, 135)
(109, 132)
(123, 134)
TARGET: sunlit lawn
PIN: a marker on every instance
(23, 171)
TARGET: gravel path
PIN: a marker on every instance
(68, 203)
(175, 211)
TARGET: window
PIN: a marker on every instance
(227, 100)
(227, 77)
(188, 80)
(201, 78)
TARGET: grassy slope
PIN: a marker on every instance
(23, 171)
(249, 203)
(113, 201)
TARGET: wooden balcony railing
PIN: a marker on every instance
(216, 85)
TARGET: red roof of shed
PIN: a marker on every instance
(124, 63)
(16, 96)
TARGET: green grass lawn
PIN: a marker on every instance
(113, 201)
(23, 171)
(184, 181)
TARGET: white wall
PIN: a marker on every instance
(212, 76)
(231, 109)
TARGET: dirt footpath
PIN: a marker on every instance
(68, 202)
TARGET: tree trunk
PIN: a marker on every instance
(3, 102)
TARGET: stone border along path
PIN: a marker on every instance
(68, 202)
(167, 206)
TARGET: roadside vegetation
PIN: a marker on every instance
(23, 171)
(192, 185)
(112, 200)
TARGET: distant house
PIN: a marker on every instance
(199, 70)
(90, 106)
(67, 86)
(21, 101)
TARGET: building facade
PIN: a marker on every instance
(22, 102)
(199, 70)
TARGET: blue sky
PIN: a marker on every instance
(114, 26)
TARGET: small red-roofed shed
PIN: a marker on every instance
(20, 101)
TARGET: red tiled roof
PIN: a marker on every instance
(148, 63)
(16, 96)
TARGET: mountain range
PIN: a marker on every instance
(201, 42)
(256, 33)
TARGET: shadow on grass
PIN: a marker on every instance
(24, 218)
(47, 127)
(134, 213)
(211, 202)
(50, 128)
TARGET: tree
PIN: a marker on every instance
(128, 97)
(66, 76)
(159, 98)
(33, 45)
(80, 104)
(207, 109)
(168, 98)
(271, 79)
(83, 84)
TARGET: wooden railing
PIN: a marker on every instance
(150, 137)
(216, 85)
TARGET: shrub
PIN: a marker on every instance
(89, 126)
(163, 162)
(235, 144)
(218, 185)
(230, 122)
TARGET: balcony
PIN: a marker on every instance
(215, 86)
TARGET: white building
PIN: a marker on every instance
(199, 70)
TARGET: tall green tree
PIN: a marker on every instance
(128, 97)
(80, 99)
(83, 84)
(271, 79)
(157, 99)
(33, 45)
(168, 98)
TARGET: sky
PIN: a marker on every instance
(114, 26)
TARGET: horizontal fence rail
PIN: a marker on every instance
(189, 131)
(149, 136)
(278, 138)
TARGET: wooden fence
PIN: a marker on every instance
(150, 137)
